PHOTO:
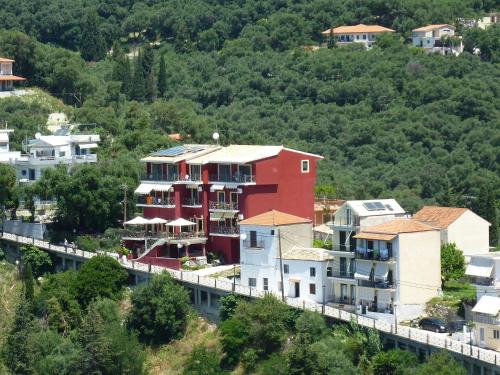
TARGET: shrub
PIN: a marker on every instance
(204, 361)
(39, 260)
(87, 243)
(394, 362)
(228, 305)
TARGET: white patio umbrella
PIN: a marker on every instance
(180, 223)
(138, 220)
(157, 220)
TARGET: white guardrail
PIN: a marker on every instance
(430, 338)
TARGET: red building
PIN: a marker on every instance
(214, 187)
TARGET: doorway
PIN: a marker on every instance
(297, 289)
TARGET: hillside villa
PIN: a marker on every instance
(439, 38)
(364, 34)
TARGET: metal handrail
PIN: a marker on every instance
(191, 202)
(239, 178)
(213, 205)
(224, 229)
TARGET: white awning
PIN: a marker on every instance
(489, 305)
(216, 188)
(85, 146)
(193, 185)
(180, 223)
(294, 279)
(138, 220)
(146, 188)
(363, 270)
(480, 266)
(162, 187)
(367, 294)
(381, 271)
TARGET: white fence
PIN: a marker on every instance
(430, 338)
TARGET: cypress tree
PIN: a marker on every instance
(92, 45)
(138, 86)
(121, 69)
(331, 40)
(487, 209)
(162, 77)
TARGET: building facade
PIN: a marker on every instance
(469, 231)
(6, 155)
(276, 256)
(486, 319)
(7, 78)
(363, 34)
(398, 268)
(215, 187)
(484, 273)
(51, 150)
(437, 38)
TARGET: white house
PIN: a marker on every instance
(397, 268)
(364, 34)
(484, 271)
(303, 268)
(437, 38)
(5, 154)
(51, 150)
(469, 231)
(486, 318)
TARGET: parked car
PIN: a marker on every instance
(456, 326)
(433, 324)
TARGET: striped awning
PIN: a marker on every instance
(381, 271)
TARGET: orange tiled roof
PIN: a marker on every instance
(398, 226)
(10, 77)
(273, 218)
(440, 217)
(4, 59)
(433, 27)
(375, 236)
(358, 29)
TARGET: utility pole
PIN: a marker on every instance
(125, 189)
(281, 267)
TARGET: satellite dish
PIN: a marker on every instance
(38, 135)
(216, 136)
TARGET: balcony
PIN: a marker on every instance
(54, 160)
(140, 235)
(485, 319)
(225, 231)
(483, 281)
(192, 237)
(377, 284)
(151, 201)
(346, 222)
(191, 202)
(223, 206)
(343, 250)
(232, 179)
(159, 177)
(255, 244)
(341, 274)
(188, 178)
(383, 255)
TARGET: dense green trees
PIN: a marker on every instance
(38, 260)
(159, 310)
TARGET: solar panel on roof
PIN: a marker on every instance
(374, 206)
(174, 151)
(379, 205)
(389, 207)
(369, 206)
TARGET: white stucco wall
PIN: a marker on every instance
(470, 233)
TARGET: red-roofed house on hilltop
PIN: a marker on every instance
(7, 79)
(439, 38)
(214, 187)
(365, 34)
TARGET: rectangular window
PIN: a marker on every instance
(312, 272)
(221, 197)
(252, 281)
(496, 334)
(195, 172)
(224, 172)
(312, 288)
(266, 283)
(364, 36)
(369, 245)
(172, 172)
(253, 238)
(304, 166)
(286, 268)
(329, 271)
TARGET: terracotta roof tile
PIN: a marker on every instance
(395, 227)
(440, 217)
(305, 253)
(433, 27)
(358, 29)
(273, 218)
(4, 59)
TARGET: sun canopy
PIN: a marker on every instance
(216, 187)
(157, 220)
(381, 271)
(479, 266)
(88, 145)
(363, 270)
(180, 223)
(489, 305)
(146, 188)
(366, 294)
(138, 220)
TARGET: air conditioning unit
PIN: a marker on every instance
(239, 191)
(240, 217)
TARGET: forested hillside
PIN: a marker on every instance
(391, 121)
